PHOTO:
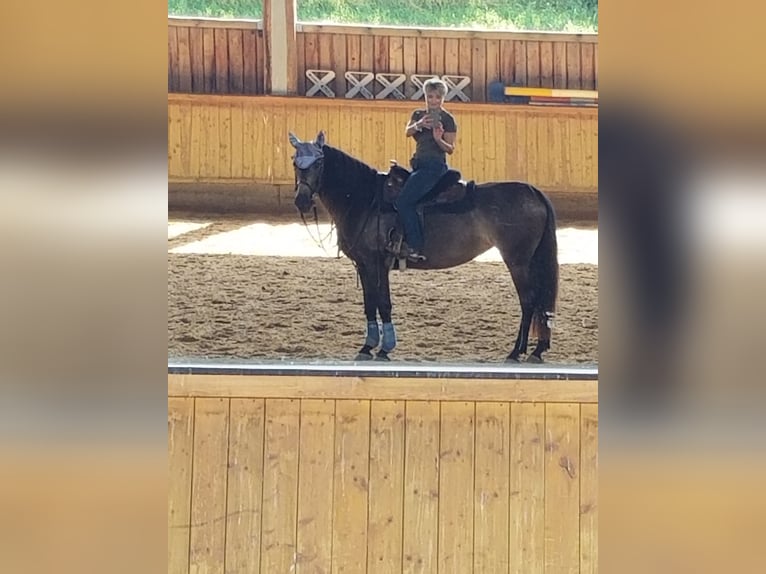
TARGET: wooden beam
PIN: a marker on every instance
(550, 92)
(281, 59)
(383, 388)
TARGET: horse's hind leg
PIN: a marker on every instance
(525, 289)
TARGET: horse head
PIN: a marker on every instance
(308, 162)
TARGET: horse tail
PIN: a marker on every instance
(544, 269)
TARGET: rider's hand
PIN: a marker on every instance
(438, 131)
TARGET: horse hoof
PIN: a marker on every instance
(510, 359)
(534, 359)
(363, 357)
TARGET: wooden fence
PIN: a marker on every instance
(228, 56)
(230, 139)
(366, 475)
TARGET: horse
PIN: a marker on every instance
(515, 217)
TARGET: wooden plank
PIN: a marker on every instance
(546, 64)
(315, 486)
(236, 62)
(311, 48)
(527, 490)
(395, 55)
(545, 157)
(562, 488)
(410, 64)
(438, 54)
(456, 487)
(354, 53)
(367, 53)
(260, 69)
(589, 489)
(208, 60)
(240, 24)
(588, 66)
(249, 62)
(423, 56)
(184, 61)
(245, 486)
(551, 92)
(221, 61)
(493, 61)
(464, 67)
(595, 67)
(208, 511)
(503, 151)
(421, 483)
(280, 485)
(451, 56)
(375, 30)
(533, 152)
(386, 506)
(180, 449)
(574, 81)
(381, 60)
(559, 65)
(224, 142)
(385, 388)
(237, 142)
(197, 59)
(185, 111)
(300, 47)
(491, 492)
(338, 59)
(198, 144)
(520, 63)
(248, 128)
(350, 498)
(173, 73)
(533, 64)
(175, 166)
(478, 70)
(507, 62)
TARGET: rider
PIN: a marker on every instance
(434, 130)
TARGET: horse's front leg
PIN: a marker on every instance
(369, 288)
(384, 308)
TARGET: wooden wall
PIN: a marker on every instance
(230, 139)
(215, 56)
(227, 56)
(326, 474)
(528, 59)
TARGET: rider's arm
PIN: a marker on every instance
(414, 126)
(447, 141)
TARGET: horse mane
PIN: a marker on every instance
(348, 179)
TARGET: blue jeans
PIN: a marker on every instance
(420, 182)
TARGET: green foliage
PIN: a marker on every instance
(550, 15)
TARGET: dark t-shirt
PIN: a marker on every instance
(425, 146)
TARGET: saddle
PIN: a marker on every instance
(449, 194)
(449, 189)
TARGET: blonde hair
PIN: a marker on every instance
(435, 85)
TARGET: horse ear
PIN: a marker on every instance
(320, 139)
(293, 140)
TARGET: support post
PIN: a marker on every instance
(279, 18)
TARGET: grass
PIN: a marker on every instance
(547, 15)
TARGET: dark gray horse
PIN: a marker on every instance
(514, 217)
